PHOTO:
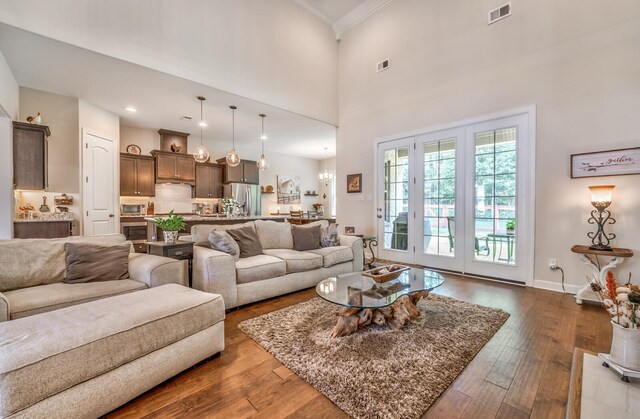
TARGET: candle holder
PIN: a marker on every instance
(600, 216)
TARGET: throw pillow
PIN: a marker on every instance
(247, 240)
(306, 237)
(329, 236)
(93, 262)
(221, 240)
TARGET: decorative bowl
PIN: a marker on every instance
(386, 273)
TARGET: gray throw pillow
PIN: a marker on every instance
(329, 236)
(91, 262)
(247, 240)
(221, 240)
(306, 237)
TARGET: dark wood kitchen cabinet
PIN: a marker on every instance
(174, 167)
(42, 229)
(246, 172)
(208, 181)
(137, 175)
(30, 156)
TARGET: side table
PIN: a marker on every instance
(178, 250)
(590, 258)
(368, 242)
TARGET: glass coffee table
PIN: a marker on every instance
(365, 301)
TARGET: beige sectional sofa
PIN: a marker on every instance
(33, 269)
(81, 350)
(278, 271)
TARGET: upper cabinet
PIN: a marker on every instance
(208, 181)
(174, 167)
(137, 175)
(30, 156)
(246, 172)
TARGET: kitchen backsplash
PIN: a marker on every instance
(170, 196)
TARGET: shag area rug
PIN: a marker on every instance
(377, 372)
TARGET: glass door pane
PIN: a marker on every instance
(495, 196)
(396, 198)
(439, 198)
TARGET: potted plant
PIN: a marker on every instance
(229, 204)
(319, 208)
(511, 226)
(622, 302)
(170, 226)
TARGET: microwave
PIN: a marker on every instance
(133, 209)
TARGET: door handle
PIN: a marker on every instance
(110, 215)
(379, 216)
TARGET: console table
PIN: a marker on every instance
(590, 258)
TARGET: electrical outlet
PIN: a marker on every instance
(553, 264)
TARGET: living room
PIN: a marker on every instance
(456, 139)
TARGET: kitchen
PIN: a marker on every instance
(158, 180)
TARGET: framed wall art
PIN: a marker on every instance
(354, 183)
(625, 161)
(288, 189)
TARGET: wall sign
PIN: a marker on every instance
(606, 163)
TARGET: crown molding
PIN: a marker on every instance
(356, 16)
(314, 11)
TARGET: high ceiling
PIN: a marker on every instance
(331, 10)
(160, 99)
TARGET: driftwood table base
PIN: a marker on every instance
(395, 315)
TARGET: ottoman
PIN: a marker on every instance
(86, 360)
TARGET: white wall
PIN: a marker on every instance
(60, 113)
(272, 51)
(9, 105)
(9, 94)
(579, 65)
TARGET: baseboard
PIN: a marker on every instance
(556, 286)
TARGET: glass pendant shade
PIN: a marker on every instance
(263, 164)
(201, 154)
(233, 159)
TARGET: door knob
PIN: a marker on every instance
(379, 216)
(110, 215)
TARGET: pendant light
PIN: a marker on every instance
(262, 164)
(325, 176)
(233, 159)
(201, 154)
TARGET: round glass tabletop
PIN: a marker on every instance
(356, 291)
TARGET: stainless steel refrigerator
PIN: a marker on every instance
(248, 197)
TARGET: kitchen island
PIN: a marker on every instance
(155, 233)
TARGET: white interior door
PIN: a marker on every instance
(99, 166)
(394, 212)
(496, 196)
(439, 194)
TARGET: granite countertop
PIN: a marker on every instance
(48, 218)
(223, 218)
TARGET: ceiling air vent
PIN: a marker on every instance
(499, 13)
(383, 65)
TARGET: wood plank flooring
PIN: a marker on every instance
(523, 372)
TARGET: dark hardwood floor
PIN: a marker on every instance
(523, 372)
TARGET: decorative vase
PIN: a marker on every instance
(170, 237)
(625, 347)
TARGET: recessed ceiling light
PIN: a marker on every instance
(131, 109)
(203, 123)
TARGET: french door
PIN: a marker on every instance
(460, 199)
